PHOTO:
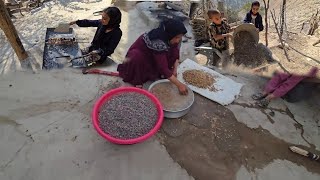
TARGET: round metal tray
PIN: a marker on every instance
(174, 114)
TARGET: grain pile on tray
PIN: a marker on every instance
(246, 51)
(199, 79)
(170, 98)
(128, 115)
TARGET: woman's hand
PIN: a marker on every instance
(183, 89)
(230, 35)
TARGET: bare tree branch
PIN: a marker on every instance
(266, 5)
(278, 32)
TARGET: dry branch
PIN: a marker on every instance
(278, 32)
(318, 42)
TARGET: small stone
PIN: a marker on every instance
(271, 114)
(10, 85)
(74, 138)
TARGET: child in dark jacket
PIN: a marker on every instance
(254, 17)
(107, 36)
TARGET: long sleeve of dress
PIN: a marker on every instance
(111, 45)
(260, 23)
(247, 19)
(88, 23)
(162, 64)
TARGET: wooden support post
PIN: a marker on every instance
(11, 33)
(282, 15)
(266, 6)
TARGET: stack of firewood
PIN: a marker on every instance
(199, 29)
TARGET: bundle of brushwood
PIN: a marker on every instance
(199, 29)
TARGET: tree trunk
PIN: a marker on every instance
(282, 22)
(11, 33)
(266, 7)
(266, 22)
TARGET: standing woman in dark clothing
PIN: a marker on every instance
(107, 36)
(155, 55)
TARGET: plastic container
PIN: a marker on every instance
(108, 95)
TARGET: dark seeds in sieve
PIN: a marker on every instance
(128, 115)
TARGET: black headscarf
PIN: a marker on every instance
(115, 17)
(158, 39)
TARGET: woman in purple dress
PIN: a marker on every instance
(155, 55)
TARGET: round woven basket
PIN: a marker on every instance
(249, 28)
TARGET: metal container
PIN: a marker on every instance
(174, 114)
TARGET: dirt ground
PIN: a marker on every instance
(211, 144)
(302, 54)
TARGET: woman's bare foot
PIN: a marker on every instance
(265, 101)
(270, 97)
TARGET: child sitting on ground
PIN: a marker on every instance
(254, 17)
(219, 34)
(280, 85)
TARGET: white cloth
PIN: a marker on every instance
(253, 20)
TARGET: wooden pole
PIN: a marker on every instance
(266, 5)
(11, 33)
(283, 10)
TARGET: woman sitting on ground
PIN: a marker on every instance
(107, 36)
(155, 55)
(280, 85)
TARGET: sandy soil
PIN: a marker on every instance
(303, 56)
(298, 11)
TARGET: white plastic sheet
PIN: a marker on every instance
(227, 89)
